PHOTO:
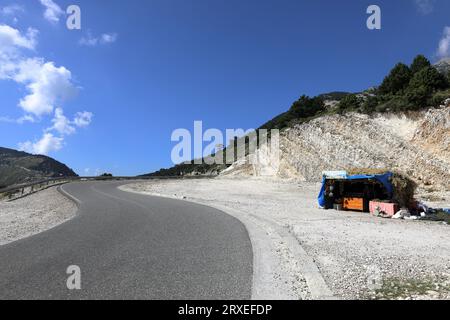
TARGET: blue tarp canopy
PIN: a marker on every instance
(384, 179)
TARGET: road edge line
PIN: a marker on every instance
(61, 190)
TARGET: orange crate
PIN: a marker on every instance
(353, 204)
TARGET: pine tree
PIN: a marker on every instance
(397, 80)
(419, 63)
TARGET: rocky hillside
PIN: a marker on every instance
(416, 143)
(20, 167)
(385, 127)
(443, 66)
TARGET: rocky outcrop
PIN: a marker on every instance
(417, 144)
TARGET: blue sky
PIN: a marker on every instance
(107, 97)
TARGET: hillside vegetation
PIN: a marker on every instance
(18, 167)
(407, 89)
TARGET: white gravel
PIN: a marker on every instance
(34, 214)
(354, 252)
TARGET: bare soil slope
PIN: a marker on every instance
(417, 144)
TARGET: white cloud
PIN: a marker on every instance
(12, 42)
(108, 38)
(11, 39)
(45, 145)
(46, 83)
(91, 41)
(7, 120)
(52, 11)
(47, 86)
(21, 120)
(444, 44)
(61, 124)
(83, 119)
(11, 10)
(26, 118)
(64, 126)
(424, 6)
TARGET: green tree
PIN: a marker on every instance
(431, 78)
(350, 102)
(306, 107)
(419, 63)
(397, 103)
(397, 80)
(418, 96)
(370, 105)
(423, 85)
(302, 109)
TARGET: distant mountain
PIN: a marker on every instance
(443, 66)
(18, 167)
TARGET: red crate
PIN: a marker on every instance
(389, 209)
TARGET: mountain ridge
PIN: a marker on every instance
(18, 167)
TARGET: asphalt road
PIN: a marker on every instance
(131, 246)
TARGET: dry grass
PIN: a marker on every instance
(368, 171)
(404, 189)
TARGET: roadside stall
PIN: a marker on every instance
(358, 192)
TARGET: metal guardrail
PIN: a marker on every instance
(18, 191)
(30, 184)
(22, 190)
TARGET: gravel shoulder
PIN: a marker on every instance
(34, 214)
(356, 256)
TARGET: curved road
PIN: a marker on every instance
(131, 246)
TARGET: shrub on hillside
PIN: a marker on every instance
(302, 109)
(396, 103)
(431, 78)
(439, 97)
(422, 86)
(397, 80)
(306, 107)
(350, 102)
(370, 104)
(404, 88)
